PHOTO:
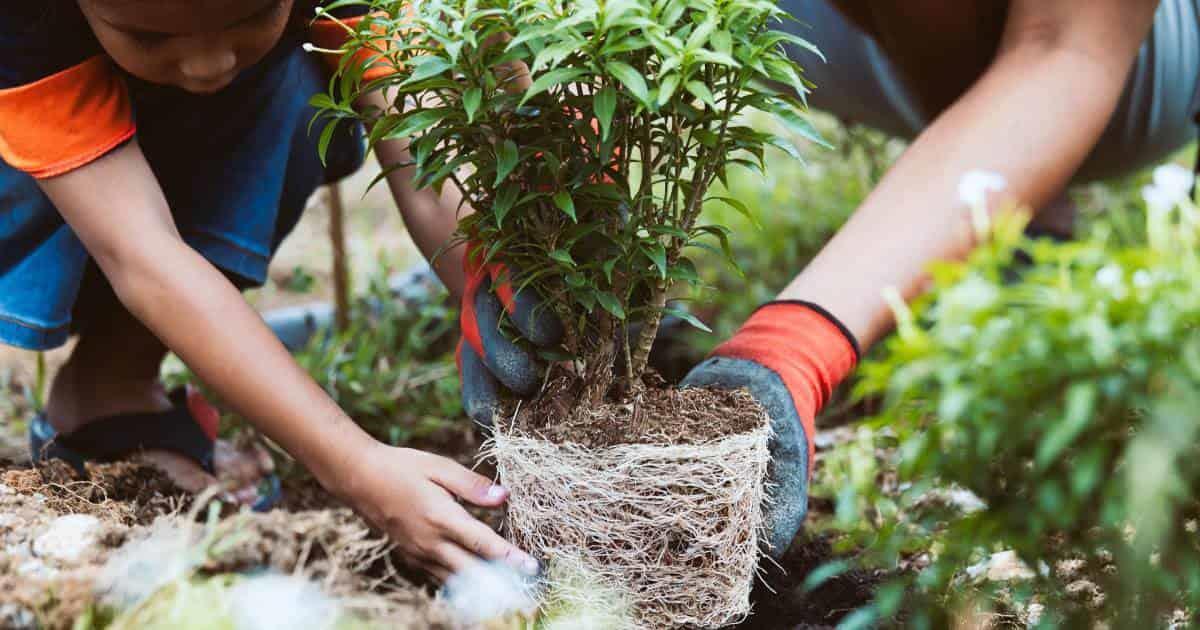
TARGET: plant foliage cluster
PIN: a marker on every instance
(392, 367)
(588, 173)
(1063, 394)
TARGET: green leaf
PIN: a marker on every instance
(684, 270)
(722, 234)
(787, 147)
(507, 157)
(471, 99)
(824, 573)
(1080, 404)
(687, 317)
(796, 123)
(741, 209)
(563, 200)
(551, 79)
(722, 42)
(505, 200)
(562, 256)
(607, 267)
(416, 122)
(658, 255)
(426, 68)
(611, 304)
(631, 79)
(701, 91)
(667, 89)
(605, 104)
(326, 138)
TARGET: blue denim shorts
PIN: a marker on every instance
(237, 168)
(1153, 120)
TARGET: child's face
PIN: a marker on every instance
(196, 45)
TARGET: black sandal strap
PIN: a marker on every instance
(117, 437)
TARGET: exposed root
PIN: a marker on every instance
(674, 529)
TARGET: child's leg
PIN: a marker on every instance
(113, 370)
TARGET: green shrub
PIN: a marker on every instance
(589, 182)
(1063, 394)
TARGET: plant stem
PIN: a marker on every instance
(641, 351)
(341, 269)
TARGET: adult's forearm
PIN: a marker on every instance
(1032, 118)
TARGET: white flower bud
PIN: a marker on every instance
(975, 185)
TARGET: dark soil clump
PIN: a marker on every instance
(128, 492)
(781, 601)
(659, 414)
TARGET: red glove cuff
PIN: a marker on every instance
(476, 273)
(805, 345)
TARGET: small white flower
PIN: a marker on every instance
(281, 602)
(488, 591)
(1174, 181)
(975, 185)
(1109, 277)
(1141, 279)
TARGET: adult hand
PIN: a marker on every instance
(413, 496)
(487, 358)
(790, 356)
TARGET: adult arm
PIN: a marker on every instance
(1033, 117)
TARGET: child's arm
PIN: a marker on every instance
(118, 210)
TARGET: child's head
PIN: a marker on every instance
(196, 45)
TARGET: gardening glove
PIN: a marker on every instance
(790, 355)
(487, 359)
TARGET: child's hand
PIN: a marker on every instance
(413, 496)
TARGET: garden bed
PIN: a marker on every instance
(60, 538)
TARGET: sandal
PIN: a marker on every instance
(189, 428)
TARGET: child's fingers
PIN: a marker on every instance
(467, 485)
(439, 572)
(483, 542)
(454, 557)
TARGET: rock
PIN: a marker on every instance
(16, 617)
(68, 537)
(36, 569)
(1002, 566)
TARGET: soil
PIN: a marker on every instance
(124, 503)
(128, 497)
(781, 601)
(658, 414)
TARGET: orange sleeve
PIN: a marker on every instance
(66, 120)
(331, 34)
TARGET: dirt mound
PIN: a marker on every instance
(127, 493)
(71, 546)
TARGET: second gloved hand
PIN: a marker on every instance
(790, 356)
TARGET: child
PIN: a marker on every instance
(154, 154)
